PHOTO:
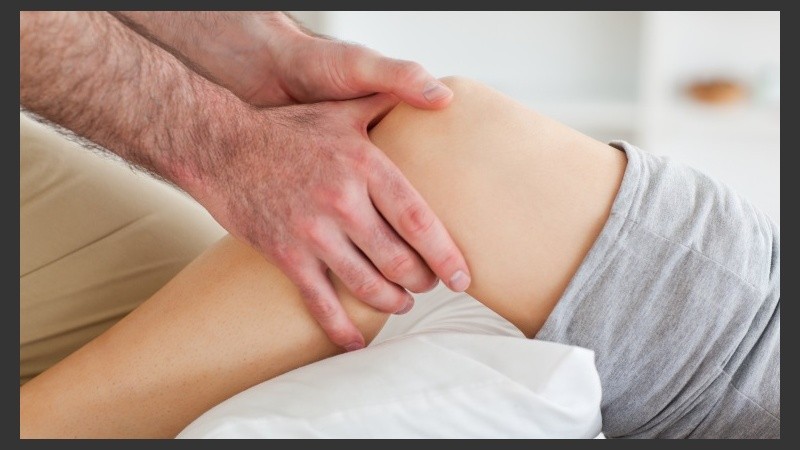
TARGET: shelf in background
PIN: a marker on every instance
(745, 119)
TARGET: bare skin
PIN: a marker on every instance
(248, 51)
(524, 196)
(276, 178)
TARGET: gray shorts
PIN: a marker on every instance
(680, 299)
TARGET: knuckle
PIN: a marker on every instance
(357, 58)
(357, 55)
(416, 220)
(450, 259)
(319, 307)
(369, 287)
(353, 52)
(322, 194)
(286, 256)
(345, 205)
(339, 201)
(276, 251)
(399, 266)
(408, 71)
(316, 234)
(363, 159)
(378, 168)
(337, 64)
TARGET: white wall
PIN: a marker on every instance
(595, 56)
(610, 75)
(739, 143)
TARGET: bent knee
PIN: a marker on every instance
(408, 132)
(462, 85)
(469, 96)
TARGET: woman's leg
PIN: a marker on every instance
(523, 216)
(96, 240)
(525, 198)
(227, 321)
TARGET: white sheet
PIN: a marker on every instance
(449, 368)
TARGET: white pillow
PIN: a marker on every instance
(450, 368)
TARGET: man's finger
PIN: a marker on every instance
(409, 214)
(390, 254)
(358, 275)
(409, 81)
(321, 300)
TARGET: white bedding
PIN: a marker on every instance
(449, 368)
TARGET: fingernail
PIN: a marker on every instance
(434, 91)
(459, 282)
(432, 287)
(353, 346)
(407, 308)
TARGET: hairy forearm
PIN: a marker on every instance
(222, 46)
(90, 74)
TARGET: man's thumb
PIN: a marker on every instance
(407, 80)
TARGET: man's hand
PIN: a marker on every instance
(320, 196)
(267, 59)
(301, 183)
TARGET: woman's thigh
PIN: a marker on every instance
(96, 240)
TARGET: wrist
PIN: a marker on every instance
(212, 145)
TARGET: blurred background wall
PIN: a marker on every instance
(702, 87)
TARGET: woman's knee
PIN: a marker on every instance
(405, 127)
(522, 195)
